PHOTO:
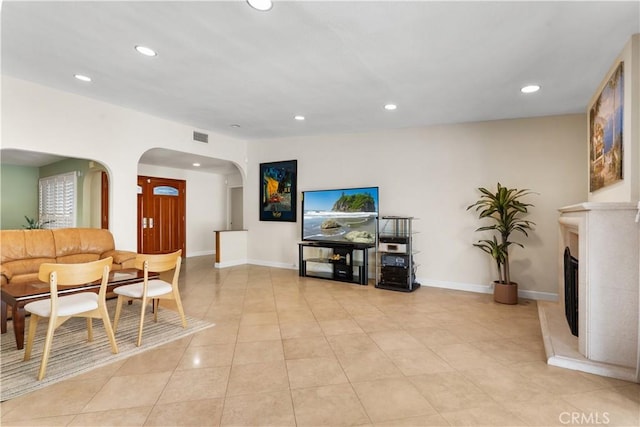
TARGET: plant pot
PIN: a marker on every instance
(505, 293)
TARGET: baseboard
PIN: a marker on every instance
(230, 263)
(256, 262)
(200, 253)
(457, 286)
(273, 264)
(467, 287)
(486, 289)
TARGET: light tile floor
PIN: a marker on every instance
(291, 351)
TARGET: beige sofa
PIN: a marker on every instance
(22, 251)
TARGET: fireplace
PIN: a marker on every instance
(598, 288)
(571, 290)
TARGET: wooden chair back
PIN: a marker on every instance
(161, 263)
(76, 274)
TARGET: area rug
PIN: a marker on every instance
(71, 354)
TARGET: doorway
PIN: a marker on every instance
(161, 215)
(236, 209)
(104, 198)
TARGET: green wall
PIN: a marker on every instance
(19, 190)
(18, 195)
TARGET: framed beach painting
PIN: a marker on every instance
(278, 191)
(606, 118)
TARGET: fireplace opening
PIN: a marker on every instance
(571, 290)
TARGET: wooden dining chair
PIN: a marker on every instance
(61, 308)
(154, 289)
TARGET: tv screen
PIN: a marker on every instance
(343, 215)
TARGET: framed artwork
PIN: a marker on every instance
(278, 191)
(605, 132)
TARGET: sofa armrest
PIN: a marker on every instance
(120, 257)
(6, 274)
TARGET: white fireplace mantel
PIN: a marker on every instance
(604, 238)
(599, 206)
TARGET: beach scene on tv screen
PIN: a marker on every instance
(346, 215)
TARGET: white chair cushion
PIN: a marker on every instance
(67, 305)
(155, 288)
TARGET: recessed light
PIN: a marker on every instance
(390, 107)
(261, 5)
(196, 164)
(299, 118)
(530, 89)
(82, 77)
(235, 125)
(146, 51)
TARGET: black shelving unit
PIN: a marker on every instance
(337, 259)
(397, 268)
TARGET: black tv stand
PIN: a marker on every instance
(335, 261)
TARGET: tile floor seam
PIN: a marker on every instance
(165, 385)
(226, 389)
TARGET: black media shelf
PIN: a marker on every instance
(341, 259)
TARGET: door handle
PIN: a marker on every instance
(150, 222)
(144, 222)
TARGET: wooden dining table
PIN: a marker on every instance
(17, 295)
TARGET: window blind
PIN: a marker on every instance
(57, 200)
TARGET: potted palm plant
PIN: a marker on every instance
(505, 209)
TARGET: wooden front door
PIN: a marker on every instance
(161, 215)
(104, 198)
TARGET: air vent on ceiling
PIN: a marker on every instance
(199, 136)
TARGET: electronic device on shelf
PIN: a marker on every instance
(397, 270)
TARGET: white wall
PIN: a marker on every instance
(432, 173)
(37, 118)
(206, 205)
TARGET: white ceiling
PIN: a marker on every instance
(179, 160)
(155, 156)
(221, 63)
(27, 158)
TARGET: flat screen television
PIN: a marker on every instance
(346, 215)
